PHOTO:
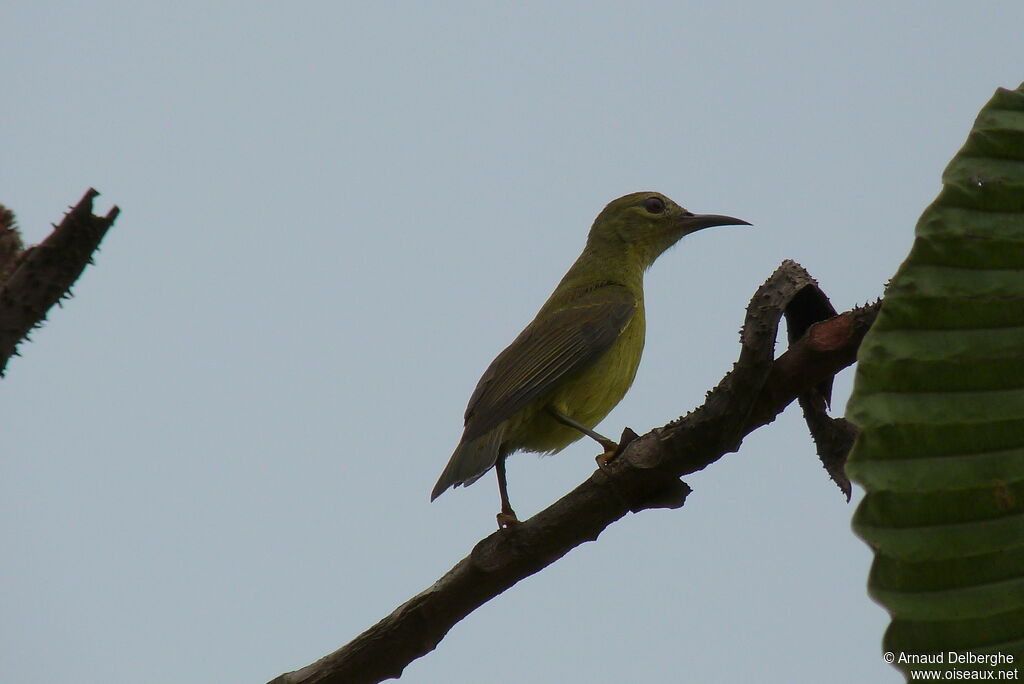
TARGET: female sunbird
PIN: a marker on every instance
(578, 357)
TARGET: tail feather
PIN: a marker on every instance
(470, 462)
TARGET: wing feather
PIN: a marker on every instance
(554, 347)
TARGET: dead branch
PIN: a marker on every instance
(645, 474)
(33, 280)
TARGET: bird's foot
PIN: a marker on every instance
(506, 519)
(611, 450)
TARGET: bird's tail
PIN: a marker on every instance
(471, 461)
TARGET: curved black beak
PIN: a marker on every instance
(694, 222)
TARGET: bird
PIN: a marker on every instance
(578, 357)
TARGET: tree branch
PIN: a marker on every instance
(33, 280)
(644, 475)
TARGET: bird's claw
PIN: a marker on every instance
(507, 519)
(611, 450)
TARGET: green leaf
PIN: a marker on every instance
(939, 399)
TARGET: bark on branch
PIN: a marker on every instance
(645, 474)
(33, 280)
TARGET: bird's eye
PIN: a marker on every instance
(655, 205)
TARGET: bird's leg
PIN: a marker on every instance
(610, 447)
(507, 517)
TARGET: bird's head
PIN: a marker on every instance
(645, 224)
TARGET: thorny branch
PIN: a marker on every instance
(33, 280)
(645, 474)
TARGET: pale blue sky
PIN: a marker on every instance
(216, 459)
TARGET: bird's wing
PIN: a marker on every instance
(546, 352)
